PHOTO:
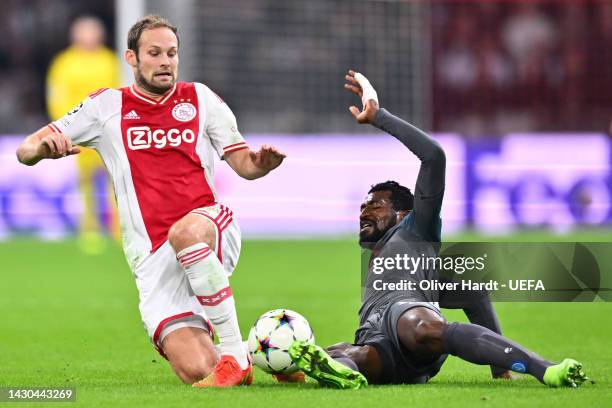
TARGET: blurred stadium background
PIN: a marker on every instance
(519, 93)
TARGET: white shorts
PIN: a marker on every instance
(167, 302)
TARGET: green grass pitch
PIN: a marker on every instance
(72, 320)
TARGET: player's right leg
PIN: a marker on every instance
(203, 241)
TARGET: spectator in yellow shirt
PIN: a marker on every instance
(82, 68)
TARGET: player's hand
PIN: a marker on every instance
(55, 146)
(360, 86)
(268, 158)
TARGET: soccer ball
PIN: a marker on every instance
(272, 335)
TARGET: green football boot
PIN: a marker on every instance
(568, 373)
(317, 364)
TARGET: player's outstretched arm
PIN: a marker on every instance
(252, 165)
(45, 144)
(429, 188)
(423, 146)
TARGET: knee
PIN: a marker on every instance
(183, 234)
(178, 233)
(190, 230)
(190, 373)
(427, 331)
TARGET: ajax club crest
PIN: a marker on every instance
(184, 112)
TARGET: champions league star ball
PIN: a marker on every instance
(272, 335)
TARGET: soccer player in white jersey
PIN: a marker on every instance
(157, 139)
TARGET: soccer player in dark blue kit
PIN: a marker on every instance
(403, 337)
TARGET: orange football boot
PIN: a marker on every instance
(227, 373)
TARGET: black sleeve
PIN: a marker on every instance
(429, 189)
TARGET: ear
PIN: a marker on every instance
(401, 214)
(130, 58)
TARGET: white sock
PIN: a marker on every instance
(210, 284)
(245, 345)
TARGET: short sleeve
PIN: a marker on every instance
(221, 126)
(81, 124)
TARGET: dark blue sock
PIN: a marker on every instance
(480, 345)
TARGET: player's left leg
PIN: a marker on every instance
(328, 371)
(364, 359)
(427, 336)
(340, 353)
(172, 316)
(191, 353)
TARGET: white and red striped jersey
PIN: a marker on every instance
(159, 154)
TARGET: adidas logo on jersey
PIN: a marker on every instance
(131, 115)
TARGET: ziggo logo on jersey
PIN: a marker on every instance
(142, 137)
